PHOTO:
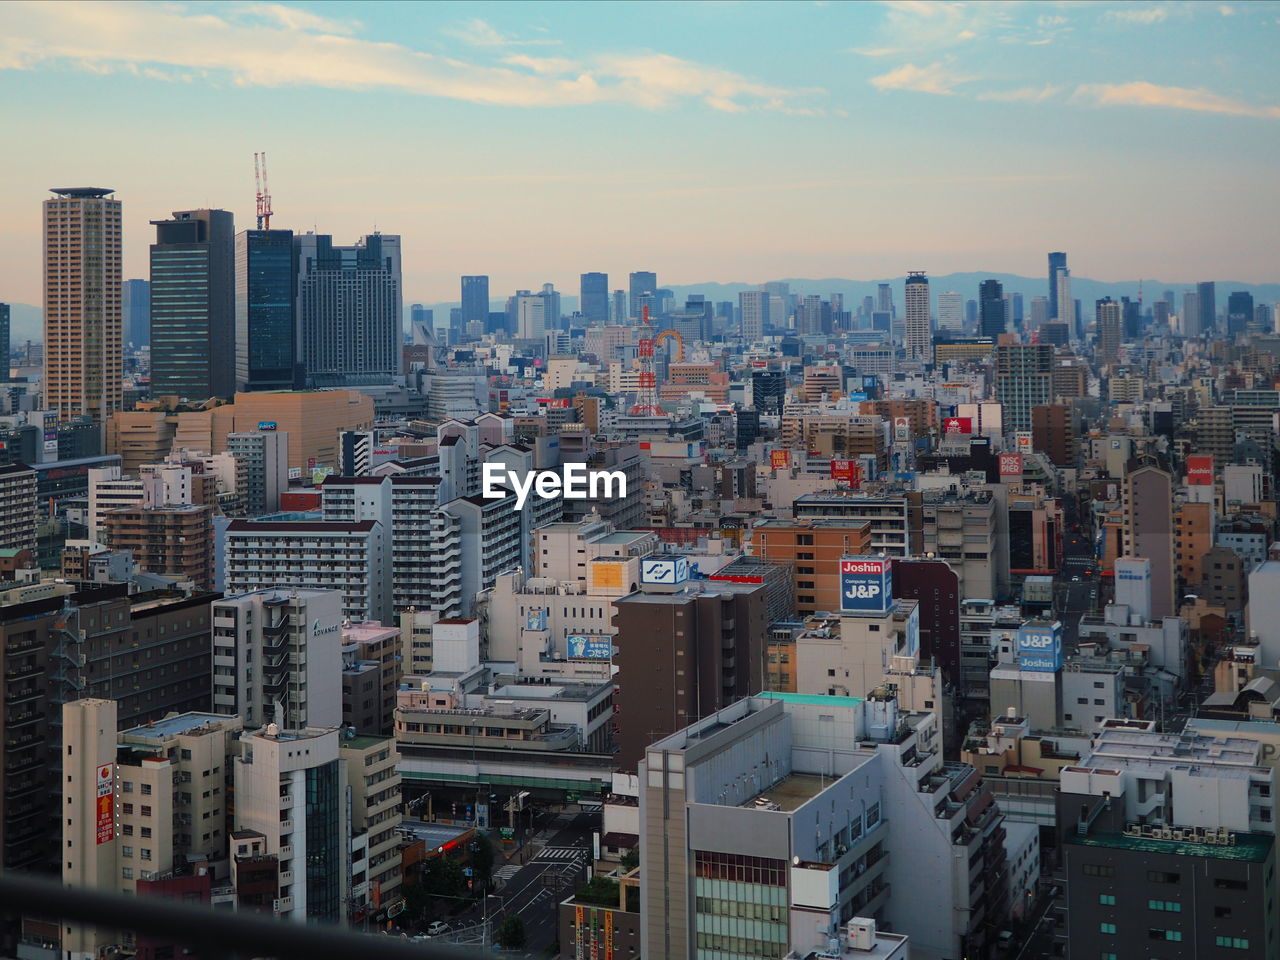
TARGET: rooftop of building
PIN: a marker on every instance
(434, 835)
(364, 741)
(176, 724)
(811, 699)
(1154, 752)
(1249, 847)
(558, 690)
(789, 793)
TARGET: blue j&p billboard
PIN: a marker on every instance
(1040, 647)
(866, 585)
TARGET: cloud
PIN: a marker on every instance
(480, 33)
(1227, 10)
(914, 28)
(544, 65)
(295, 18)
(929, 79)
(1022, 94)
(1140, 15)
(1142, 94)
(270, 45)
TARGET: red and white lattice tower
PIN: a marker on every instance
(647, 383)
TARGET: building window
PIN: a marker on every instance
(1232, 943)
(1106, 928)
(1107, 899)
(1168, 906)
(1098, 870)
(1222, 883)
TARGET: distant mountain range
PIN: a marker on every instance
(27, 323)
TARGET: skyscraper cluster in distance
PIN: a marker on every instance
(927, 617)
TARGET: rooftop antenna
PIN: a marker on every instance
(262, 189)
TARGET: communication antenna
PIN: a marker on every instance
(263, 191)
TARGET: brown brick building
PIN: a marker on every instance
(814, 547)
(173, 541)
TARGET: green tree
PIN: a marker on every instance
(482, 860)
(631, 860)
(443, 877)
(602, 891)
(511, 932)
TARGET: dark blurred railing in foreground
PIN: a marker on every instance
(208, 932)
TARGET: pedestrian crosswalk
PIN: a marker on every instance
(508, 871)
(561, 854)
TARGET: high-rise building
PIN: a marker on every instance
(1024, 379)
(290, 787)
(531, 315)
(18, 509)
(262, 469)
(6, 345)
(658, 633)
(83, 327)
(1015, 314)
(193, 305)
(971, 314)
(593, 297)
(1206, 298)
(644, 290)
(1148, 531)
(135, 307)
(1190, 315)
(1110, 327)
(350, 304)
(1239, 312)
(919, 332)
(267, 355)
(1068, 311)
(278, 657)
(1040, 307)
(618, 308)
(884, 297)
(991, 309)
(950, 311)
(551, 312)
(1057, 262)
(475, 300)
(173, 540)
(754, 307)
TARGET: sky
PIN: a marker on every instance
(708, 141)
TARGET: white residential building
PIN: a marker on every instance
(277, 657)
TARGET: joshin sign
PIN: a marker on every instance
(866, 585)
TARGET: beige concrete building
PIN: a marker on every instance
(374, 782)
(83, 326)
(312, 419)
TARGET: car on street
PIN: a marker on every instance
(437, 927)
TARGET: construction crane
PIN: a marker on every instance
(263, 191)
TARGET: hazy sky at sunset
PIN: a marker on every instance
(706, 141)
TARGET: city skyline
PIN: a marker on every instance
(426, 94)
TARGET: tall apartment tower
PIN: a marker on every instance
(644, 292)
(593, 299)
(919, 335)
(350, 307)
(1206, 297)
(266, 304)
(1109, 330)
(1066, 306)
(1024, 379)
(1239, 312)
(1057, 262)
(475, 300)
(83, 326)
(6, 344)
(754, 307)
(991, 308)
(193, 305)
(951, 311)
